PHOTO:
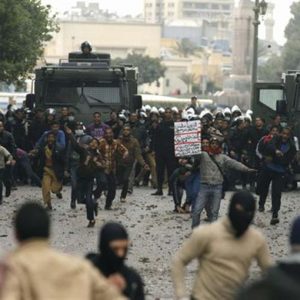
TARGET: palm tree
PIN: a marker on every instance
(189, 79)
(185, 48)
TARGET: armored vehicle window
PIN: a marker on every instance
(105, 95)
(94, 93)
(269, 97)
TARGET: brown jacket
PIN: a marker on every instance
(224, 260)
(37, 272)
(134, 151)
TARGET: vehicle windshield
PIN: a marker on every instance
(93, 93)
(269, 97)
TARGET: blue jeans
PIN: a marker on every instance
(209, 194)
(192, 188)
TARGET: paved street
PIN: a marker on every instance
(156, 232)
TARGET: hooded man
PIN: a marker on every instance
(282, 281)
(224, 250)
(36, 271)
(113, 248)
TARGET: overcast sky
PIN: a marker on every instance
(135, 7)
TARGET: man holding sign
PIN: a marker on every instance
(213, 165)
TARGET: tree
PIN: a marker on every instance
(189, 79)
(185, 48)
(291, 50)
(150, 69)
(272, 69)
(25, 26)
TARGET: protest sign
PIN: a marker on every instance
(187, 138)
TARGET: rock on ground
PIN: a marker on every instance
(155, 231)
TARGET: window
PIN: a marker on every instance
(187, 5)
(91, 92)
(215, 6)
(226, 7)
(202, 5)
(269, 97)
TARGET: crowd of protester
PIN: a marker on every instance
(48, 149)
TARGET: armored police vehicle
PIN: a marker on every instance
(281, 98)
(87, 85)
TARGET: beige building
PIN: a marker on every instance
(160, 10)
(116, 38)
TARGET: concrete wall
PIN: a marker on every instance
(119, 39)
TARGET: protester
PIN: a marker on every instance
(113, 247)
(278, 152)
(224, 250)
(89, 162)
(125, 165)
(6, 159)
(109, 148)
(52, 166)
(213, 166)
(36, 271)
(97, 128)
(283, 280)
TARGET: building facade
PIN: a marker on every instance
(161, 10)
(116, 38)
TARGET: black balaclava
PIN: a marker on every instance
(111, 232)
(241, 218)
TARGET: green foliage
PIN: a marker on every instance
(150, 69)
(185, 48)
(291, 50)
(25, 26)
(272, 69)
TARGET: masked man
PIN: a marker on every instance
(224, 250)
(113, 247)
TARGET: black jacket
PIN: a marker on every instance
(134, 285)
(164, 138)
(7, 141)
(268, 149)
(280, 283)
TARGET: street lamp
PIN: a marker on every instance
(260, 9)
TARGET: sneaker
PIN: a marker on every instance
(274, 220)
(123, 200)
(261, 208)
(107, 207)
(157, 193)
(59, 195)
(91, 224)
